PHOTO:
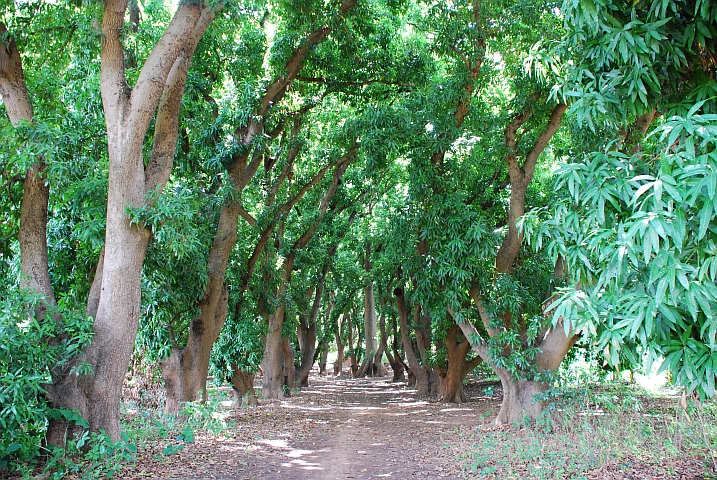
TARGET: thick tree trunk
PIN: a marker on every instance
(519, 404)
(243, 388)
(128, 113)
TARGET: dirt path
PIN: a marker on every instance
(336, 429)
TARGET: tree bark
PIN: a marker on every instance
(323, 354)
(397, 363)
(339, 364)
(370, 366)
(36, 191)
(272, 366)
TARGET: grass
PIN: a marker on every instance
(615, 428)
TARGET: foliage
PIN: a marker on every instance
(27, 362)
(644, 256)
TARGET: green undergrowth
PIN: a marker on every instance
(91, 455)
(615, 427)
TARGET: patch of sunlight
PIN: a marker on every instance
(456, 410)
(275, 443)
(299, 407)
(302, 465)
(434, 422)
(226, 403)
(298, 453)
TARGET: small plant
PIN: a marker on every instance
(89, 455)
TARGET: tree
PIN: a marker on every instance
(128, 114)
(633, 222)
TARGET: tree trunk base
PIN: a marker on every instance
(243, 388)
(519, 406)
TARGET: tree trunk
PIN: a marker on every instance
(324, 353)
(519, 406)
(272, 356)
(307, 345)
(243, 387)
(273, 364)
(398, 365)
(451, 378)
(36, 191)
(128, 114)
(423, 343)
(369, 366)
(185, 370)
(289, 359)
(352, 350)
(339, 364)
(420, 374)
(209, 323)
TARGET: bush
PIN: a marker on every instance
(29, 351)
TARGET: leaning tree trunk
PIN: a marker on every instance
(273, 367)
(36, 190)
(210, 322)
(417, 370)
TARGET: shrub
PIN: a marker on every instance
(30, 350)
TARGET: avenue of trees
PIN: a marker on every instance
(222, 186)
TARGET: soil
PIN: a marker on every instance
(336, 429)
